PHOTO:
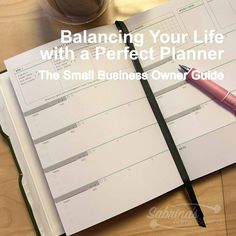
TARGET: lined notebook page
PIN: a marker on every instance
(98, 141)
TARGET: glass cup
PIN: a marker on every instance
(74, 11)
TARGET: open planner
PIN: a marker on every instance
(90, 150)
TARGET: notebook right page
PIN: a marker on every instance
(203, 130)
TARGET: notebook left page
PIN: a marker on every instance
(98, 142)
(33, 181)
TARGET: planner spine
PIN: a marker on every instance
(165, 131)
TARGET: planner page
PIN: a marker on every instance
(98, 142)
(203, 130)
(33, 180)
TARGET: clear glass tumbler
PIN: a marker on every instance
(74, 11)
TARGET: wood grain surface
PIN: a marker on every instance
(24, 26)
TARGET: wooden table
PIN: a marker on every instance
(24, 26)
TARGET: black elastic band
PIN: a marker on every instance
(165, 131)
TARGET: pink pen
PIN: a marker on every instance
(211, 88)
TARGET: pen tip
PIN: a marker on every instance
(184, 68)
